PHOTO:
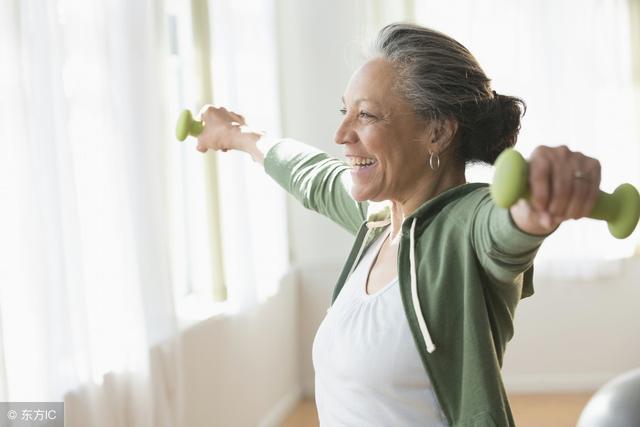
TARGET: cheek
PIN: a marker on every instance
(396, 156)
(377, 145)
(401, 168)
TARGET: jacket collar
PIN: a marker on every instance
(433, 206)
(379, 214)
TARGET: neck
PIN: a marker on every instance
(426, 189)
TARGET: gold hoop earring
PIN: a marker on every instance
(437, 161)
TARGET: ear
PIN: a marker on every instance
(443, 132)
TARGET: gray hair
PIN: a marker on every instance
(442, 80)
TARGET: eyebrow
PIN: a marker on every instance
(359, 100)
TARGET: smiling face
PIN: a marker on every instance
(381, 128)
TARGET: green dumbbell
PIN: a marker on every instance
(187, 126)
(621, 209)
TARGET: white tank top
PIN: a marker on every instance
(367, 368)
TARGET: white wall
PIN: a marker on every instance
(576, 335)
(243, 370)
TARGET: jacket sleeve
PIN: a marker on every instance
(504, 251)
(321, 183)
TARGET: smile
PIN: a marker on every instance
(363, 170)
(360, 162)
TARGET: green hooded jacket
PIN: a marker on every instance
(463, 266)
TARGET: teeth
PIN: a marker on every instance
(360, 161)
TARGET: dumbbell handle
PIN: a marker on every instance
(621, 209)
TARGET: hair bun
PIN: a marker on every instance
(509, 110)
(495, 128)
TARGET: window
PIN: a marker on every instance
(572, 64)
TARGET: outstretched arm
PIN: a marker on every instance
(502, 248)
(321, 183)
(564, 185)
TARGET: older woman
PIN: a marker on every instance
(423, 309)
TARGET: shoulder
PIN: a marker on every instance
(477, 195)
(467, 206)
(459, 218)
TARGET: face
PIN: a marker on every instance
(382, 129)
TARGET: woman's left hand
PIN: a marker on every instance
(563, 184)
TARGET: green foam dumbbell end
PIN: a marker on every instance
(187, 126)
(510, 179)
(622, 224)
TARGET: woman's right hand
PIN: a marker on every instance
(222, 130)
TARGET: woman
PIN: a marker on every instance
(423, 309)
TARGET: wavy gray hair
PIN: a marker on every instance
(441, 79)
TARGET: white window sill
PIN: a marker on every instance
(194, 308)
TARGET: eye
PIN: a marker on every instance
(366, 115)
(362, 114)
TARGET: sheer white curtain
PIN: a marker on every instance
(85, 289)
(571, 62)
(240, 52)
(253, 206)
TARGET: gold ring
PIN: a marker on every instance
(580, 175)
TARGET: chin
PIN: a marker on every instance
(360, 196)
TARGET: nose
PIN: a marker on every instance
(344, 133)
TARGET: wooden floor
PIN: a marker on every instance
(529, 410)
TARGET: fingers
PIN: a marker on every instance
(563, 184)
(585, 193)
(220, 126)
(592, 168)
(592, 198)
(221, 114)
(575, 208)
(206, 110)
(540, 174)
(238, 118)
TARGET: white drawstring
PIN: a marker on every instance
(431, 347)
(414, 293)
